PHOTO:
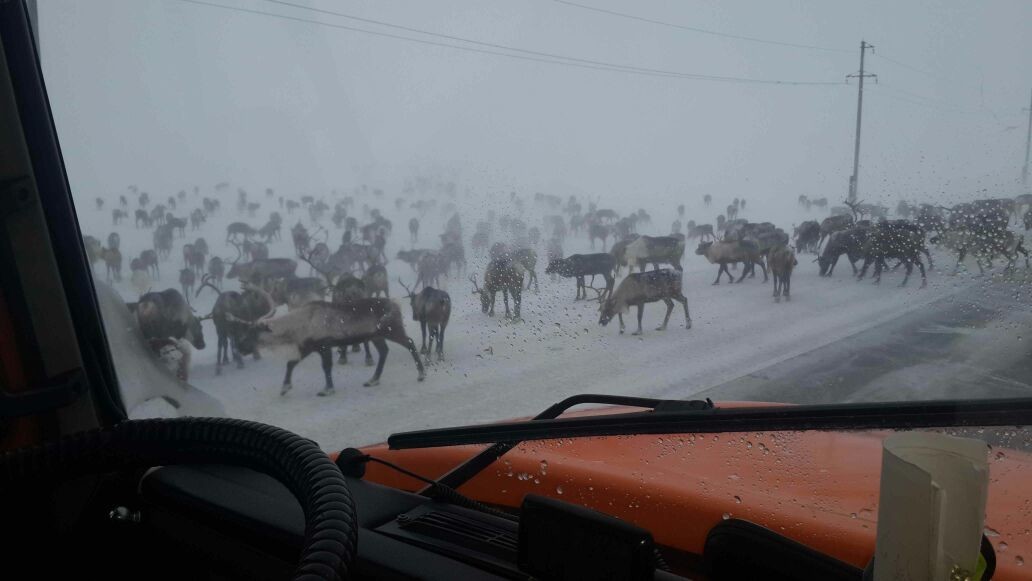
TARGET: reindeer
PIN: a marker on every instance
(807, 236)
(894, 240)
(430, 268)
(655, 250)
(319, 326)
(117, 215)
(375, 279)
(239, 229)
(346, 290)
(600, 231)
(728, 252)
(157, 214)
(139, 276)
(581, 265)
(432, 308)
(149, 260)
(833, 224)
(702, 232)
(143, 217)
(167, 314)
(193, 257)
(505, 275)
(113, 261)
(270, 231)
(640, 288)
(196, 219)
(782, 261)
(217, 270)
(255, 250)
(411, 257)
(527, 258)
(231, 314)
(707, 200)
(413, 228)
(302, 240)
(163, 241)
(187, 278)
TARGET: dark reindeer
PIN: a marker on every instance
(580, 266)
(247, 306)
(503, 275)
(431, 307)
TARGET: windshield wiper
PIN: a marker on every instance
(470, 468)
(672, 417)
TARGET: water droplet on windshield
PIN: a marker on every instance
(738, 499)
(558, 489)
(726, 515)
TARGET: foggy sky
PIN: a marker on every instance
(166, 95)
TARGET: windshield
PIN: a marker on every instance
(819, 204)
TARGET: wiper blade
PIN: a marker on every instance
(470, 468)
(863, 416)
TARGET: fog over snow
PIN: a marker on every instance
(165, 93)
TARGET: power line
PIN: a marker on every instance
(544, 58)
(910, 67)
(701, 30)
(937, 103)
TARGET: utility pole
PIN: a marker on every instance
(1028, 144)
(859, 114)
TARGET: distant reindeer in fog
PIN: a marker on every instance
(187, 278)
(413, 228)
(113, 260)
(217, 270)
(599, 231)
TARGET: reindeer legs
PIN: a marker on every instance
(422, 328)
(666, 318)
(287, 386)
(641, 311)
(326, 354)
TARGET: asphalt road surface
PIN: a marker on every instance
(969, 345)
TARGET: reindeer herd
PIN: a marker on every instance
(337, 295)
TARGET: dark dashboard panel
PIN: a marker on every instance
(248, 525)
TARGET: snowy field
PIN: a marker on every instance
(496, 369)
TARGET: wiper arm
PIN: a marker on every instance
(863, 416)
(470, 468)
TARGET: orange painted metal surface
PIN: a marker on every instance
(819, 488)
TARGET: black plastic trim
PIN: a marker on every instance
(862, 416)
(16, 34)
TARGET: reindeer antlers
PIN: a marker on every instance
(473, 279)
(258, 289)
(407, 289)
(601, 292)
(206, 281)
